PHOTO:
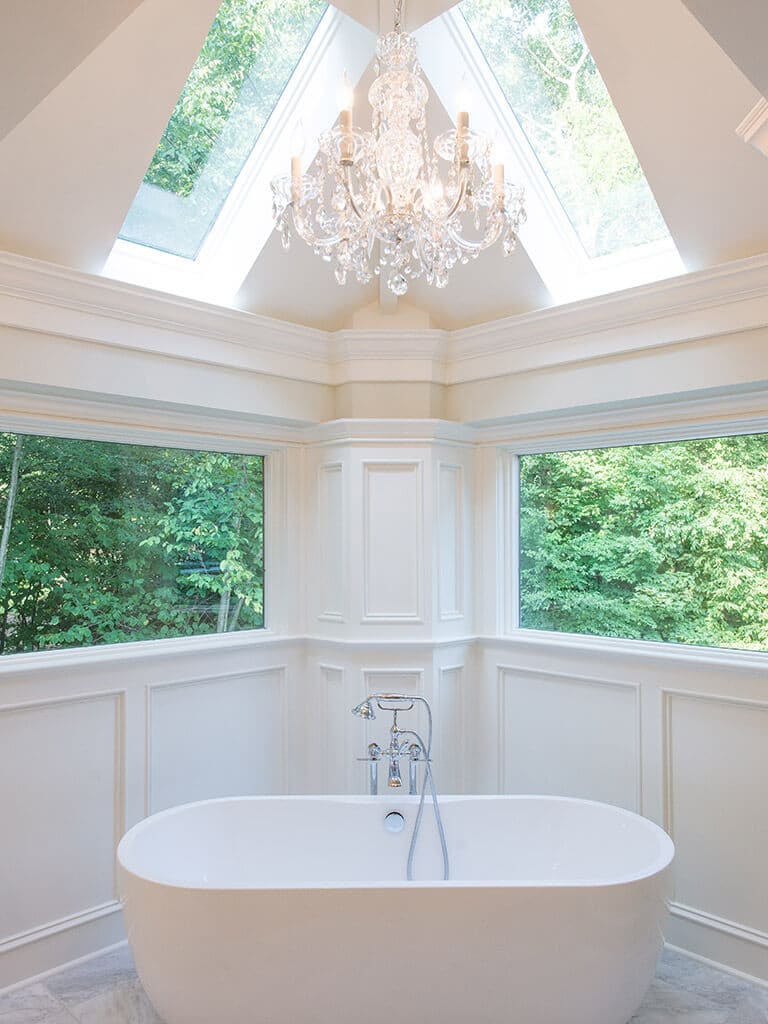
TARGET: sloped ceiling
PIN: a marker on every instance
(87, 87)
(680, 98)
(33, 61)
(70, 169)
(377, 15)
(740, 27)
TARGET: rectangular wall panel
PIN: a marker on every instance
(337, 724)
(331, 530)
(716, 767)
(450, 532)
(392, 541)
(451, 750)
(569, 736)
(215, 737)
(61, 810)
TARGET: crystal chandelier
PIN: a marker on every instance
(429, 208)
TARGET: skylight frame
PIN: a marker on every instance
(549, 237)
(244, 222)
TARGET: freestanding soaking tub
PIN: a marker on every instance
(294, 910)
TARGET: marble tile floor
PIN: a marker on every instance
(105, 990)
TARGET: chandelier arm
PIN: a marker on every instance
(305, 233)
(492, 233)
(350, 194)
(462, 195)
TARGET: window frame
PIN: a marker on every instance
(244, 223)
(152, 438)
(548, 236)
(583, 432)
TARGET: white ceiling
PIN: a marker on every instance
(82, 111)
(741, 29)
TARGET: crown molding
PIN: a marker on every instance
(721, 411)
(381, 355)
(754, 128)
(61, 413)
(53, 300)
(372, 432)
(708, 303)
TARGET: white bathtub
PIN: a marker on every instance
(294, 910)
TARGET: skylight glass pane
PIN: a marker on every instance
(248, 57)
(542, 63)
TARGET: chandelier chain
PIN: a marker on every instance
(398, 14)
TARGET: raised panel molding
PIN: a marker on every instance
(714, 802)
(337, 765)
(393, 542)
(452, 748)
(450, 541)
(576, 752)
(331, 526)
(47, 869)
(225, 747)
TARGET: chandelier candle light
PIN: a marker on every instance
(386, 185)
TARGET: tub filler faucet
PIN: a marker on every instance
(409, 744)
(403, 743)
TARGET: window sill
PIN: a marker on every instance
(642, 649)
(139, 650)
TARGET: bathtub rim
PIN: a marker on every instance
(656, 867)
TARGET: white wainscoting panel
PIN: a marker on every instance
(215, 737)
(569, 736)
(335, 750)
(451, 728)
(450, 541)
(331, 527)
(62, 789)
(715, 772)
(393, 542)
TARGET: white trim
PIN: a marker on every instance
(754, 128)
(577, 680)
(722, 924)
(714, 963)
(192, 681)
(111, 654)
(47, 299)
(61, 924)
(416, 615)
(619, 647)
(676, 419)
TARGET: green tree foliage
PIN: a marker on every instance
(114, 542)
(248, 56)
(543, 65)
(652, 542)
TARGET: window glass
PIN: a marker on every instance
(651, 542)
(251, 51)
(103, 543)
(543, 65)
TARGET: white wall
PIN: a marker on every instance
(391, 564)
(90, 742)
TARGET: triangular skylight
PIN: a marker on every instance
(248, 57)
(203, 214)
(541, 60)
